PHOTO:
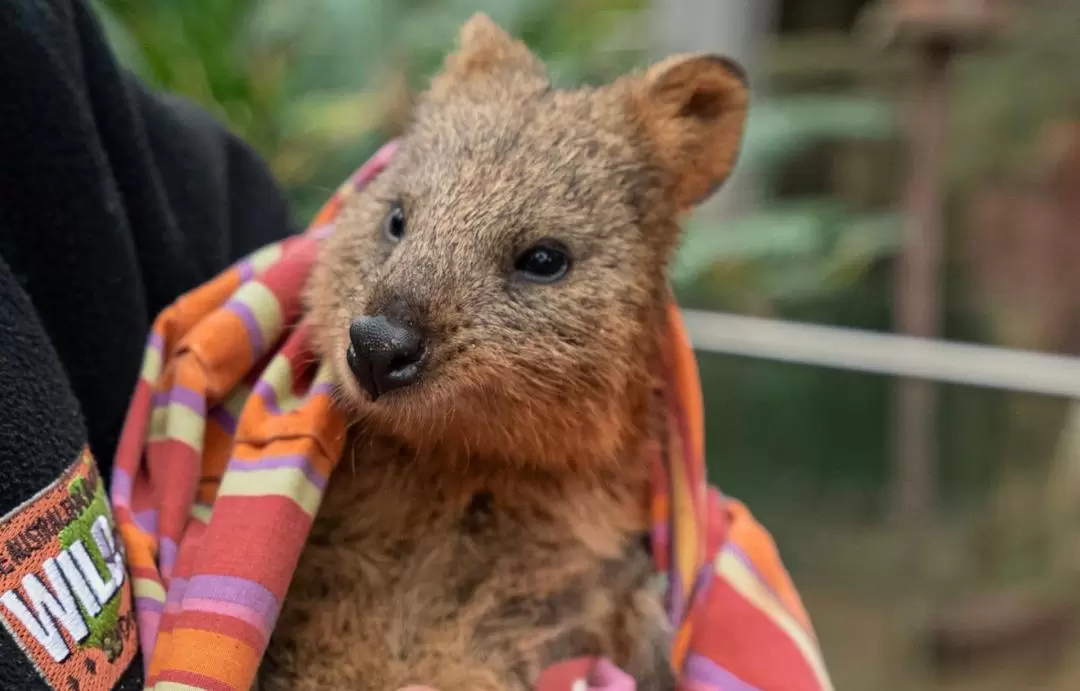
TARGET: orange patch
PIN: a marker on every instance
(65, 596)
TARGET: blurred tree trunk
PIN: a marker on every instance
(738, 29)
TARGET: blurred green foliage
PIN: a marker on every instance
(791, 249)
(315, 86)
(1007, 95)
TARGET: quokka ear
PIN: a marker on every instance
(693, 108)
(487, 61)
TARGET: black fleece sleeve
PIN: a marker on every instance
(113, 201)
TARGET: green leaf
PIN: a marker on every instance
(779, 128)
(797, 250)
(789, 231)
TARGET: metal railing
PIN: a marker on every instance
(880, 353)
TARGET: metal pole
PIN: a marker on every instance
(854, 350)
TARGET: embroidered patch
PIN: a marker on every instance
(64, 595)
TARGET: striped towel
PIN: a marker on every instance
(232, 434)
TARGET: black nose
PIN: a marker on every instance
(384, 355)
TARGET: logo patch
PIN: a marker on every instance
(64, 595)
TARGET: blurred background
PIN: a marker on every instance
(911, 167)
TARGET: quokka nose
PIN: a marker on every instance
(385, 355)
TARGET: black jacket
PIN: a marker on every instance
(113, 201)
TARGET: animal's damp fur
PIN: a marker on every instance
(488, 520)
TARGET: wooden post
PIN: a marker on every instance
(917, 300)
(935, 30)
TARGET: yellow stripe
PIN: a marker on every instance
(157, 424)
(279, 376)
(151, 365)
(262, 303)
(731, 569)
(178, 422)
(144, 587)
(323, 375)
(173, 686)
(263, 258)
(201, 512)
(284, 482)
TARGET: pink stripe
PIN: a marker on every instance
(661, 536)
(148, 630)
(324, 231)
(228, 609)
(374, 165)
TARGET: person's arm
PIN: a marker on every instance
(113, 201)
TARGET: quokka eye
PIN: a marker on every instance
(394, 224)
(545, 262)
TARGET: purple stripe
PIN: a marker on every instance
(290, 461)
(247, 270)
(322, 389)
(674, 596)
(156, 341)
(701, 584)
(251, 325)
(177, 586)
(268, 394)
(184, 396)
(702, 670)
(264, 390)
(147, 521)
(239, 591)
(226, 420)
(148, 604)
(121, 487)
(167, 556)
(323, 231)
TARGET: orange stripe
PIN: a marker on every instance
(217, 448)
(220, 342)
(188, 374)
(687, 382)
(661, 508)
(141, 547)
(213, 655)
(190, 308)
(305, 420)
(161, 652)
(319, 422)
(328, 211)
(680, 646)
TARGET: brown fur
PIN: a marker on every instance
(491, 519)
